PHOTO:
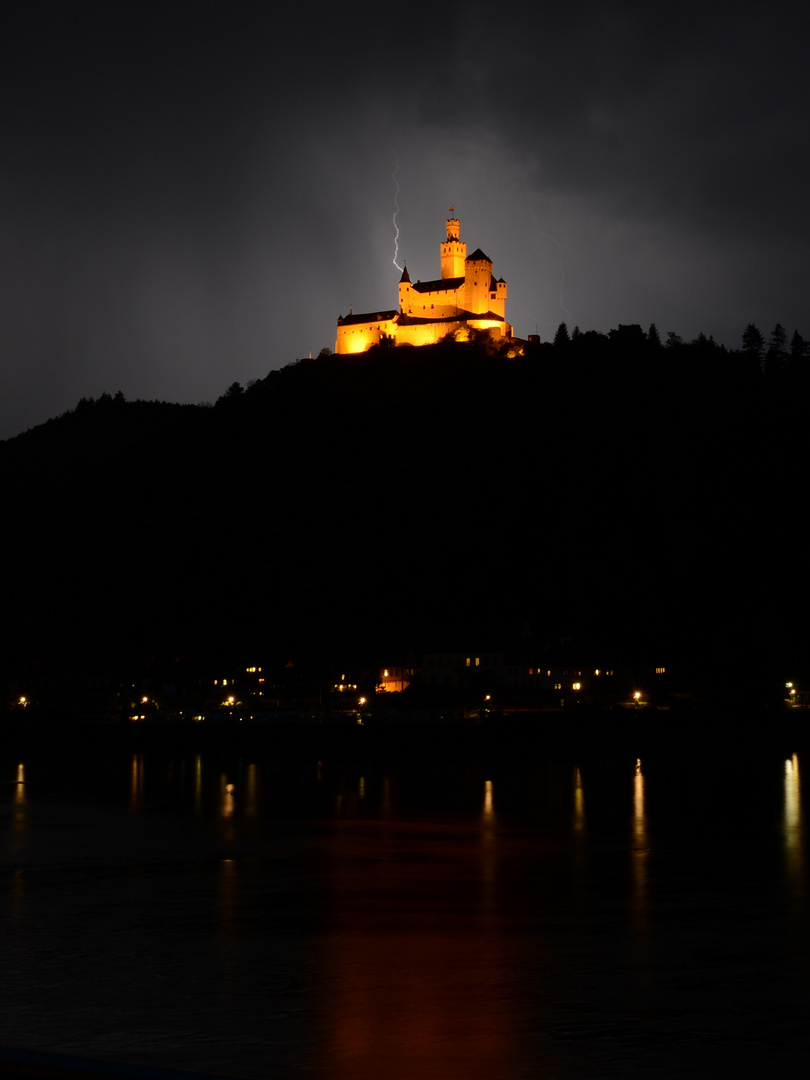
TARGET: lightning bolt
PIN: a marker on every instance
(560, 248)
(396, 211)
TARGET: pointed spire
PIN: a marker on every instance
(405, 275)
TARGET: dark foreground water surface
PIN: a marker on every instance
(274, 913)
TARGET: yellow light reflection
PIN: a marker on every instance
(639, 822)
(226, 797)
(640, 871)
(489, 805)
(792, 820)
(579, 802)
(19, 815)
(489, 864)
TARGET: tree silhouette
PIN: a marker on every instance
(777, 355)
(561, 338)
(753, 343)
(798, 348)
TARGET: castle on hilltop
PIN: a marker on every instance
(465, 298)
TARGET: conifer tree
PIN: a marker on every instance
(777, 354)
(753, 342)
(798, 348)
(561, 338)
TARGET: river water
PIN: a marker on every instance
(277, 914)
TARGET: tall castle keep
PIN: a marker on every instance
(466, 297)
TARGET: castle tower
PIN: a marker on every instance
(453, 251)
(405, 290)
(479, 285)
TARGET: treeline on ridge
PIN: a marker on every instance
(636, 494)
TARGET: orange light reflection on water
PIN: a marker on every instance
(424, 980)
(136, 782)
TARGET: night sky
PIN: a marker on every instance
(192, 192)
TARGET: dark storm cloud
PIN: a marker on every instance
(191, 192)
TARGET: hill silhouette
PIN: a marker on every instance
(643, 498)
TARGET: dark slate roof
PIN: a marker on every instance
(451, 283)
(461, 316)
(421, 320)
(477, 256)
(372, 317)
(405, 275)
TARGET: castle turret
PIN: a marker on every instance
(405, 290)
(479, 282)
(453, 251)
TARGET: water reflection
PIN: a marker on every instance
(425, 1005)
(489, 862)
(488, 811)
(792, 821)
(425, 974)
(198, 773)
(226, 797)
(454, 922)
(251, 791)
(640, 851)
(19, 815)
(579, 803)
(639, 818)
(136, 782)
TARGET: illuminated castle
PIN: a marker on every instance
(465, 298)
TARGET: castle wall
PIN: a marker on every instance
(357, 337)
(437, 304)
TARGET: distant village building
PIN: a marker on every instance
(466, 298)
